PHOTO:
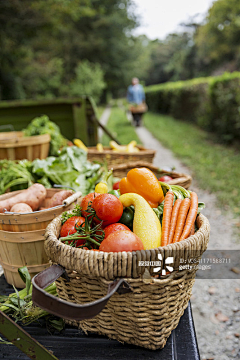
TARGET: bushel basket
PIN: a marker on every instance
(15, 146)
(180, 179)
(22, 237)
(115, 158)
(117, 294)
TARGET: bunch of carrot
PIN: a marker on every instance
(178, 219)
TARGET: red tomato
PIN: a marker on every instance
(165, 178)
(116, 185)
(85, 202)
(108, 208)
(114, 227)
(122, 240)
(69, 227)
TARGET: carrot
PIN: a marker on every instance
(191, 216)
(174, 219)
(167, 212)
(182, 214)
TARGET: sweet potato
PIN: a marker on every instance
(58, 198)
(21, 208)
(33, 196)
(46, 203)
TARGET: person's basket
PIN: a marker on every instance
(121, 170)
(117, 294)
(138, 109)
(116, 158)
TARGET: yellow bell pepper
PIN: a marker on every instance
(146, 225)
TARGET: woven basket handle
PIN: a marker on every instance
(65, 309)
(72, 198)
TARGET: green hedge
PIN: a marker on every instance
(213, 103)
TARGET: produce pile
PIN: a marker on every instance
(70, 168)
(33, 199)
(42, 125)
(129, 148)
(140, 213)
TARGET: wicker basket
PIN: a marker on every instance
(114, 158)
(180, 179)
(22, 239)
(14, 146)
(147, 314)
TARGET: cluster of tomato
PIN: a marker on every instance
(102, 212)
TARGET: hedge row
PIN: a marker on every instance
(213, 103)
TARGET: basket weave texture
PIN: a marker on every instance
(114, 158)
(180, 179)
(144, 317)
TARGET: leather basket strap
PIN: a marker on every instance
(65, 309)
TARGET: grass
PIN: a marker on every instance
(120, 127)
(215, 166)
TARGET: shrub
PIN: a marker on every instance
(213, 103)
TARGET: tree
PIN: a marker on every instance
(43, 41)
(172, 59)
(218, 40)
(89, 80)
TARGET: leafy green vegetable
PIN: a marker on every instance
(70, 169)
(42, 125)
(15, 175)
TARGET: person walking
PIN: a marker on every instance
(136, 96)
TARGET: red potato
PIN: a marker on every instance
(21, 208)
(57, 199)
(33, 196)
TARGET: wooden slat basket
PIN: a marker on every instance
(22, 239)
(115, 158)
(180, 179)
(15, 146)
